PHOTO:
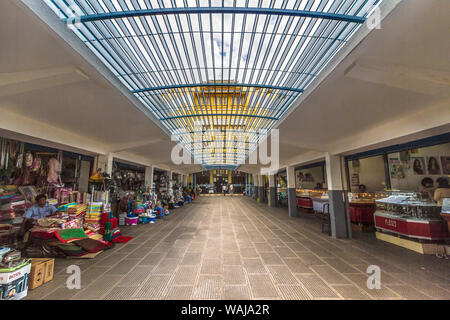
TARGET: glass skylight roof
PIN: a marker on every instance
(217, 74)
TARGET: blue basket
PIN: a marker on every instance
(144, 220)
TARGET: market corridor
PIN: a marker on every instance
(234, 248)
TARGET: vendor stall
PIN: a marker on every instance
(305, 198)
(362, 207)
(410, 215)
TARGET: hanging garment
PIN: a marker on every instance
(36, 164)
(53, 169)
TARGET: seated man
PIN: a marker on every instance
(41, 209)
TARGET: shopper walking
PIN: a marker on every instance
(231, 190)
(224, 190)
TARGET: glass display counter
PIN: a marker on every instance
(362, 207)
(410, 214)
(305, 197)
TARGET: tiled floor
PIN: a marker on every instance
(234, 248)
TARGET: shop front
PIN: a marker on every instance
(212, 182)
(311, 190)
(281, 190)
(400, 190)
(54, 204)
(128, 177)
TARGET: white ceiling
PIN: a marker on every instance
(395, 84)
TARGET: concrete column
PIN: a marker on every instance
(149, 178)
(338, 214)
(292, 195)
(105, 162)
(272, 192)
(246, 184)
(262, 189)
(255, 186)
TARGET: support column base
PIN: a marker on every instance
(338, 221)
(292, 201)
(273, 197)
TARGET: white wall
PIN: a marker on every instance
(317, 174)
(371, 174)
(412, 181)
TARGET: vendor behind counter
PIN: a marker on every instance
(41, 209)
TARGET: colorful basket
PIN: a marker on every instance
(131, 221)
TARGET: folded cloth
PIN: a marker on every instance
(90, 245)
(43, 234)
(50, 222)
(71, 249)
(121, 239)
(96, 236)
(69, 235)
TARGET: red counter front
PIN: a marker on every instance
(429, 229)
(304, 202)
(362, 212)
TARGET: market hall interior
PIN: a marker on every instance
(371, 122)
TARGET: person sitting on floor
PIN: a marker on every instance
(41, 209)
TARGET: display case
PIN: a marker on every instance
(305, 197)
(362, 207)
(410, 214)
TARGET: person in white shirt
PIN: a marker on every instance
(442, 192)
(231, 190)
(224, 189)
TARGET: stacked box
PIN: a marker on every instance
(41, 272)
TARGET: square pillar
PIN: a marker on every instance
(272, 192)
(339, 220)
(291, 192)
(255, 187)
(105, 163)
(149, 178)
(262, 189)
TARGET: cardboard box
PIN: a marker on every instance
(14, 282)
(10, 275)
(37, 274)
(47, 266)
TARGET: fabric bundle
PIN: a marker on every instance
(77, 211)
(6, 216)
(94, 227)
(93, 215)
(122, 239)
(69, 235)
(90, 245)
(50, 222)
